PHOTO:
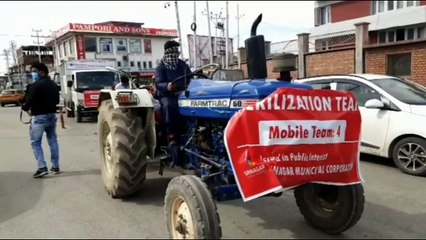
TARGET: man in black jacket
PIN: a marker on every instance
(41, 101)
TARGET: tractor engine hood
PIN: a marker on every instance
(252, 89)
(221, 99)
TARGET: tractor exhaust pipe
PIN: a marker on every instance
(255, 52)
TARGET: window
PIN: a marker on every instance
(121, 45)
(421, 32)
(135, 45)
(324, 15)
(60, 51)
(105, 45)
(132, 64)
(150, 65)
(399, 65)
(363, 94)
(90, 44)
(147, 44)
(139, 65)
(382, 37)
(95, 79)
(144, 65)
(319, 86)
(384, 6)
(390, 5)
(400, 34)
(66, 48)
(405, 91)
(118, 64)
(391, 36)
(381, 6)
(410, 34)
(72, 44)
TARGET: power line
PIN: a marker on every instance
(13, 35)
(38, 36)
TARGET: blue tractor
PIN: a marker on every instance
(130, 138)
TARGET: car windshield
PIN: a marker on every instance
(405, 91)
(95, 79)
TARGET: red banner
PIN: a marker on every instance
(293, 137)
(91, 98)
(81, 47)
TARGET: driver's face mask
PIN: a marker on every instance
(175, 54)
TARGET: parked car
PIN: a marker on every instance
(11, 96)
(393, 114)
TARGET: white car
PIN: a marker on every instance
(393, 114)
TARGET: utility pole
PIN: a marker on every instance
(238, 34)
(195, 34)
(37, 42)
(215, 18)
(227, 37)
(6, 55)
(178, 25)
(166, 5)
(55, 53)
(13, 49)
(210, 33)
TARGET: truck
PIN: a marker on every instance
(81, 89)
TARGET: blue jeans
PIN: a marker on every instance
(39, 125)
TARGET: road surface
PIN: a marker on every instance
(75, 204)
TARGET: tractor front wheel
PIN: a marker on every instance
(331, 209)
(191, 212)
(123, 150)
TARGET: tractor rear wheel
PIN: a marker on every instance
(331, 209)
(191, 212)
(123, 150)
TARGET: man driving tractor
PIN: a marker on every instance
(169, 69)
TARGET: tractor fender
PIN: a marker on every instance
(145, 98)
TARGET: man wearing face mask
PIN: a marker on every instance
(169, 69)
(41, 101)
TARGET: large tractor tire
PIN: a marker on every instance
(123, 150)
(330, 209)
(191, 212)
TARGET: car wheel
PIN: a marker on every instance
(409, 155)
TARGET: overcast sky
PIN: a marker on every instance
(281, 20)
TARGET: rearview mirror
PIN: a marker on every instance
(374, 104)
(69, 84)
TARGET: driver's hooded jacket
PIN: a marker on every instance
(164, 76)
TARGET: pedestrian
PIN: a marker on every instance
(41, 101)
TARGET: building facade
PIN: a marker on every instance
(128, 46)
(19, 74)
(395, 43)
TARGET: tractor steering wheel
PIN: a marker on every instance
(180, 83)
